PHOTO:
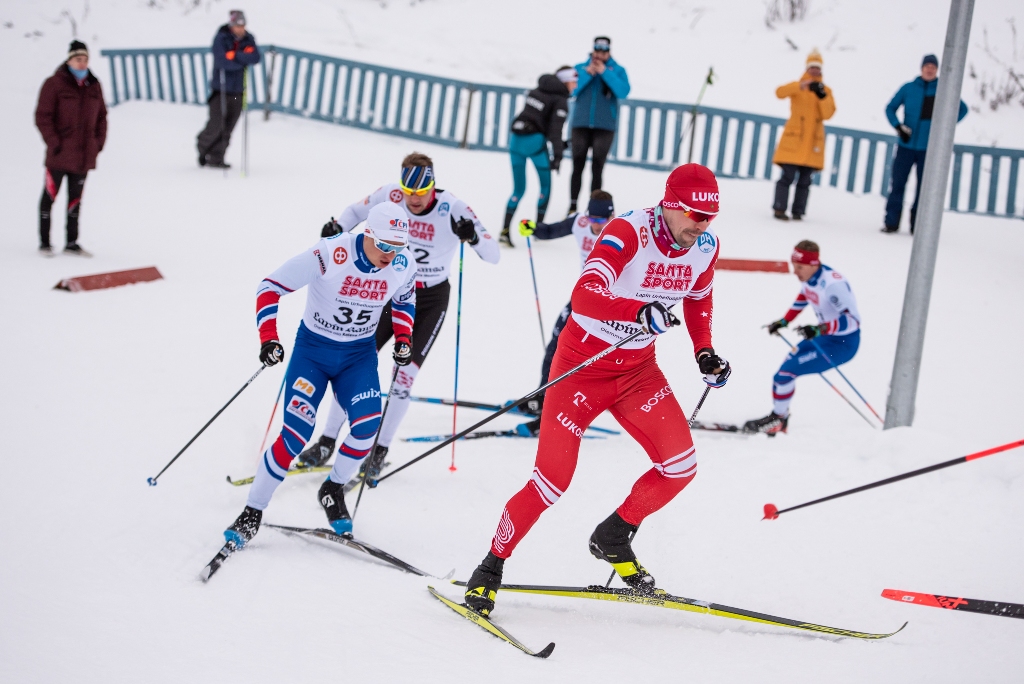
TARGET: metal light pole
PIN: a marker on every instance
(899, 409)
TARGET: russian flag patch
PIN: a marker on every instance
(613, 242)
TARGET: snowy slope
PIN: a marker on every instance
(98, 571)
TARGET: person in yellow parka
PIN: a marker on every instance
(801, 150)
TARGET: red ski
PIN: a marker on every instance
(1015, 610)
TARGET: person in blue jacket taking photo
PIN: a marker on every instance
(602, 83)
(234, 49)
(917, 99)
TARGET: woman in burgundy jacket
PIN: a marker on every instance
(72, 118)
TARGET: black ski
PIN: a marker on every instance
(497, 407)
(352, 543)
(218, 560)
(716, 427)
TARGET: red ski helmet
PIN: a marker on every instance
(692, 187)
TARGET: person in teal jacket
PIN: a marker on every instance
(917, 99)
(602, 83)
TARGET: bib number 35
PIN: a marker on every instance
(362, 318)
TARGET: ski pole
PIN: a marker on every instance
(693, 417)
(771, 512)
(274, 412)
(152, 480)
(245, 122)
(536, 294)
(829, 383)
(511, 405)
(458, 338)
(376, 437)
(708, 80)
(223, 112)
(843, 376)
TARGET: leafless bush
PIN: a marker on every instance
(1000, 80)
(785, 11)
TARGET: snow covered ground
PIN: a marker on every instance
(98, 571)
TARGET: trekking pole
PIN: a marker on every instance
(376, 437)
(223, 112)
(536, 294)
(843, 376)
(827, 382)
(771, 512)
(511, 405)
(458, 337)
(693, 417)
(152, 480)
(274, 412)
(708, 80)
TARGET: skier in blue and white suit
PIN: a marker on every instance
(351, 277)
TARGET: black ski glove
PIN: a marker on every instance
(810, 331)
(904, 131)
(403, 352)
(776, 326)
(330, 229)
(271, 352)
(466, 230)
(555, 163)
(716, 370)
(655, 318)
(818, 88)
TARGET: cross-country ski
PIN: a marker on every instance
(484, 623)
(998, 608)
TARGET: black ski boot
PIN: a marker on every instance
(771, 425)
(533, 406)
(373, 464)
(611, 542)
(332, 500)
(529, 428)
(244, 528)
(316, 454)
(483, 584)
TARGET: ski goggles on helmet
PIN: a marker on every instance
(417, 180)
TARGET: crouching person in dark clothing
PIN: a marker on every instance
(540, 123)
(234, 49)
(72, 119)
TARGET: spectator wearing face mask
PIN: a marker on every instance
(72, 119)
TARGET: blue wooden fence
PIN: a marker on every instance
(456, 113)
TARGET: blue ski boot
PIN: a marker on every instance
(332, 500)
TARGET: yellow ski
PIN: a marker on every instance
(475, 617)
(295, 471)
(662, 599)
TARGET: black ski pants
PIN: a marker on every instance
(431, 307)
(213, 140)
(803, 188)
(51, 186)
(583, 140)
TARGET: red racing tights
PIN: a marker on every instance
(629, 384)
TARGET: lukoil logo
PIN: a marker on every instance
(704, 196)
(570, 425)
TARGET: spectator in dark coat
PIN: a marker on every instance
(602, 83)
(540, 123)
(234, 49)
(72, 118)
(917, 99)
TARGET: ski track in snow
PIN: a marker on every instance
(98, 574)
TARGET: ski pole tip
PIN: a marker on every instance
(771, 512)
(151, 481)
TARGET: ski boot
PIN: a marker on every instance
(483, 584)
(244, 528)
(506, 237)
(316, 454)
(771, 425)
(533, 405)
(611, 542)
(373, 464)
(529, 429)
(332, 500)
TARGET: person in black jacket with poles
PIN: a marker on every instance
(234, 49)
(539, 123)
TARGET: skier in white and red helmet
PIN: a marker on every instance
(645, 262)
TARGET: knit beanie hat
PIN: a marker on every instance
(236, 18)
(814, 59)
(77, 49)
(930, 59)
(692, 186)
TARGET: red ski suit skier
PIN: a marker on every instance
(632, 265)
